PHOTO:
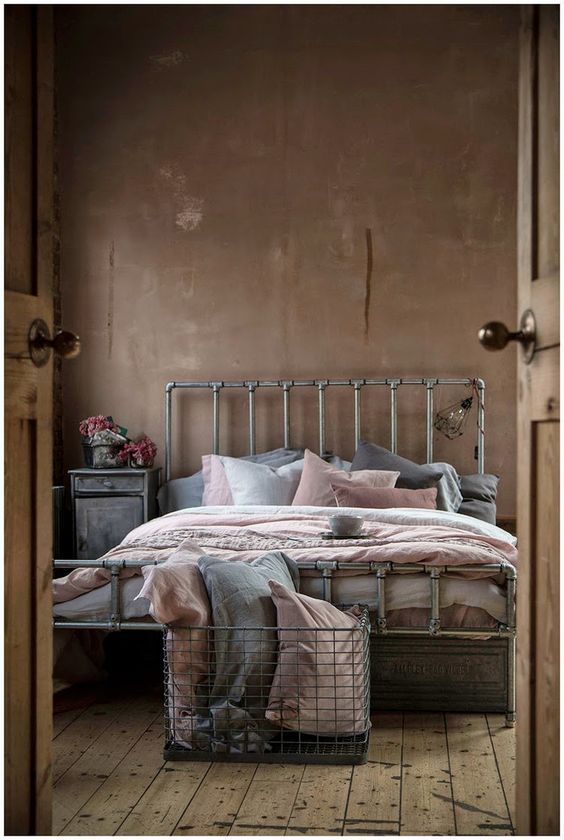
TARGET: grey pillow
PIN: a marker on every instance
(244, 660)
(413, 476)
(449, 496)
(338, 463)
(187, 492)
(479, 494)
(181, 493)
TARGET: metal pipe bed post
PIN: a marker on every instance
(115, 601)
(252, 431)
(327, 582)
(321, 385)
(215, 395)
(481, 388)
(357, 386)
(430, 385)
(286, 398)
(435, 622)
(168, 430)
(393, 383)
(381, 600)
(511, 578)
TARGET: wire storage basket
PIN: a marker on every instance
(271, 694)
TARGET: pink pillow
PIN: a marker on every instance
(315, 484)
(320, 682)
(387, 497)
(216, 486)
(178, 594)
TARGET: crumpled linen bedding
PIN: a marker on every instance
(401, 536)
(175, 543)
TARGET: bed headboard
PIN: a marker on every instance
(356, 385)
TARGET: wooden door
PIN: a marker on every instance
(28, 275)
(538, 428)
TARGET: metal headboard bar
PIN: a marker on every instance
(322, 384)
(286, 396)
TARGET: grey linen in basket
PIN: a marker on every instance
(244, 662)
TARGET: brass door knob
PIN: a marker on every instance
(495, 336)
(64, 344)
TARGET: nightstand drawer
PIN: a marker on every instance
(107, 484)
(102, 523)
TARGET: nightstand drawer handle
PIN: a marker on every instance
(107, 483)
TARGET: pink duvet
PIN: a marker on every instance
(183, 537)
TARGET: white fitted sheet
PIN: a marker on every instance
(402, 592)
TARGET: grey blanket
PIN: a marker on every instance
(245, 646)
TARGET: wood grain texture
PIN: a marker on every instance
(503, 741)
(548, 199)
(375, 795)
(426, 794)
(477, 792)
(73, 742)
(547, 628)
(20, 185)
(110, 805)
(140, 795)
(321, 801)
(538, 401)
(75, 787)
(18, 639)
(160, 808)
(28, 420)
(63, 719)
(215, 806)
(268, 804)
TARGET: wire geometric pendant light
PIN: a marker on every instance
(451, 421)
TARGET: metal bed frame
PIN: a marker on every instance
(487, 654)
(286, 385)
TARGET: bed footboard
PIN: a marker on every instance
(436, 668)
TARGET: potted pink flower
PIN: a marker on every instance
(102, 440)
(141, 453)
(97, 423)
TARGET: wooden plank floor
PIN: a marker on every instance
(426, 774)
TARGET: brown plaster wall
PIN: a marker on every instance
(270, 191)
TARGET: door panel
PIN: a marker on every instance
(20, 49)
(28, 419)
(538, 428)
(548, 140)
(546, 452)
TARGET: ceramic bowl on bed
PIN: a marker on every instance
(343, 525)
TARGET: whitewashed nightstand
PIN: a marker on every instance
(108, 504)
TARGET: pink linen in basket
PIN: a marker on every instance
(319, 682)
(178, 595)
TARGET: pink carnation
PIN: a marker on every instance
(142, 450)
(98, 423)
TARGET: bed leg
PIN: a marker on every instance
(510, 716)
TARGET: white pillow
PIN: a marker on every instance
(260, 484)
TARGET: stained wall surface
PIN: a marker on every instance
(287, 192)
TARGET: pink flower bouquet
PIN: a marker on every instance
(98, 423)
(141, 452)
